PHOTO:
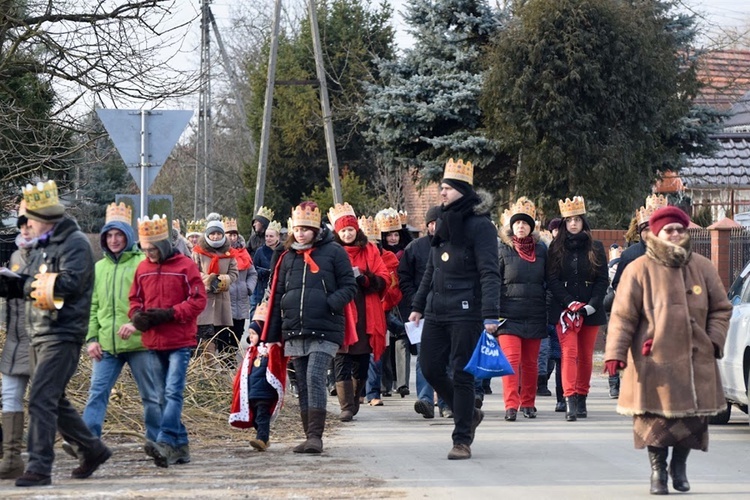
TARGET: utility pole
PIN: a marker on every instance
(333, 166)
(203, 179)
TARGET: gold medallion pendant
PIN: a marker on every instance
(697, 290)
(256, 363)
(445, 256)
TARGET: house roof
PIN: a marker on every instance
(729, 167)
(726, 76)
(739, 116)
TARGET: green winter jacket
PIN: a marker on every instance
(110, 303)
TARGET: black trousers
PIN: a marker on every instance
(54, 363)
(351, 366)
(262, 411)
(451, 344)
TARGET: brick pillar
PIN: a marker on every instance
(720, 234)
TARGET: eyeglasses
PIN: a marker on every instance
(678, 230)
(150, 250)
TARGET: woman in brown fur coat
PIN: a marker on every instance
(668, 325)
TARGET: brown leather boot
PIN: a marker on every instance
(12, 465)
(345, 393)
(300, 448)
(315, 426)
(359, 386)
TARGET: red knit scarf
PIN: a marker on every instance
(526, 248)
(242, 256)
(213, 267)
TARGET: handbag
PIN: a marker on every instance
(488, 359)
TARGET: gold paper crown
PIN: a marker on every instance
(261, 312)
(403, 216)
(274, 226)
(289, 224)
(230, 225)
(151, 230)
(569, 208)
(388, 220)
(196, 226)
(265, 212)
(653, 203)
(119, 212)
(43, 292)
(41, 195)
(459, 170)
(369, 227)
(339, 210)
(505, 218)
(524, 206)
(305, 217)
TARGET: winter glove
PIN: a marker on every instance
(224, 282)
(575, 306)
(141, 321)
(646, 348)
(159, 316)
(587, 310)
(363, 281)
(207, 280)
(612, 365)
(12, 288)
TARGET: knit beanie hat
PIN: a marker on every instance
(462, 187)
(346, 221)
(432, 214)
(214, 224)
(554, 224)
(667, 215)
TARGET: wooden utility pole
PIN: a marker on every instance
(333, 166)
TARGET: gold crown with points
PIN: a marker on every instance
(119, 212)
(274, 226)
(265, 212)
(289, 224)
(261, 312)
(459, 171)
(230, 225)
(196, 226)
(305, 217)
(505, 218)
(388, 220)
(569, 208)
(339, 210)
(43, 292)
(653, 203)
(151, 230)
(524, 206)
(369, 227)
(403, 216)
(40, 195)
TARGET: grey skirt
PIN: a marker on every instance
(295, 348)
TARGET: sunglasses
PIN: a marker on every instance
(678, 230)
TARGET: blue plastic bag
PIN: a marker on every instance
(488, 359)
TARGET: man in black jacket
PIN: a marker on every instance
(58, 279)
(459, 297)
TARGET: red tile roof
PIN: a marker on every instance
(726, 76)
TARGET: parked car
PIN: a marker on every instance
(734, 367)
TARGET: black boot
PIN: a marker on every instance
(581, 411)
(614, 386)
(658, 459)
(541, 386)
(678, 468)
(571, 405)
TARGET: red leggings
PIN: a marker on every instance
(522, 355)
(578, 359)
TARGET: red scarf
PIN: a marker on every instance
(213, 267)
(309, 260)
(242, 256)
(526, 248)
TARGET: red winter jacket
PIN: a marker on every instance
(176, 283)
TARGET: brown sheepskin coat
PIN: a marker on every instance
(218, 311)
(676, 298)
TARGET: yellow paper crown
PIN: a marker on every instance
(40, 195)
(403, 216)
(274, 226)
(289, 224)
(653, 203)
(569, 208)
(339, 210)
(43, 292)
(196, 226)
(230, 225)
(369, 227)
(459, 170)
(388, 220)
(524, 206)
(119, 212)
(305, 217)
(261, 312)
(265, 212)
(151, 230)
(505, 218)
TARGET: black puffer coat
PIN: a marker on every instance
(629, 255)
(462, 280)
(67, 252)
(577, 281)
(523, 294)
(411, 269)
(307, 304)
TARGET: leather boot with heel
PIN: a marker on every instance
(345, 393)
(581, 411)
(658, 459)
(12, 465)
(300, 448)
(571, 408)
(678, 468)
(316, 423)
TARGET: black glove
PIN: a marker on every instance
(159, 316)
(395, 325)
(12, 288)
(141, 321)
(363, 281)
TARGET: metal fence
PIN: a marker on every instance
(700, 241)
(739, 251)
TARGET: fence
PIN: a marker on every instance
(739, 251)
(700, 241)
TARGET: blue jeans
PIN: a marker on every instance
(424, 389)
(544, 349)
(373, 379)
(144, 367)
(172, 370)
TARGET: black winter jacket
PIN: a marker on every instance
(307, 304)
(462, 281)
(576, 281)
(258, 387)
(67, 252)
(629, 255)
(523, 294)
(411, 269)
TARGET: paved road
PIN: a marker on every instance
(541, 458)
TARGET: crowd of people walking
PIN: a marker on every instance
(311, 299)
